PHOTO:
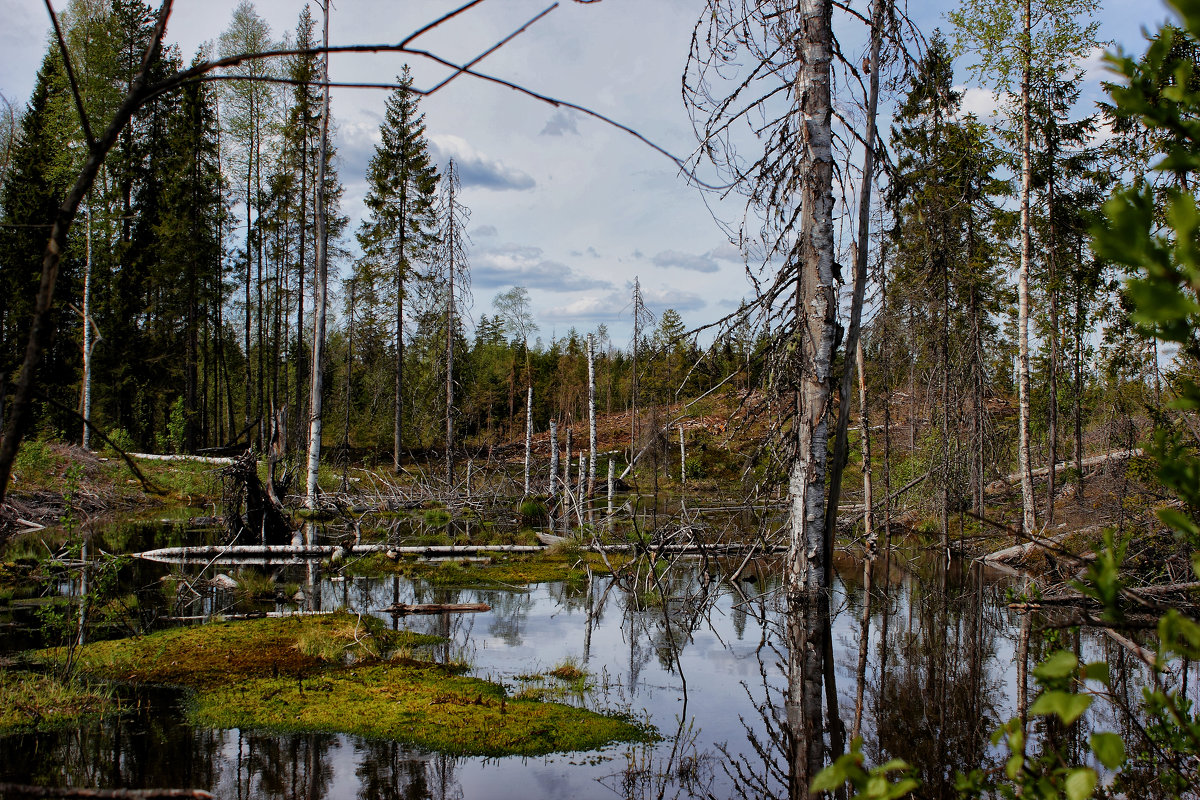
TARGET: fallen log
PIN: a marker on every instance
(1019, 552)
(1093, 461)
(402, 609)
(222, 460)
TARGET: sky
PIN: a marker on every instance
(562, 204)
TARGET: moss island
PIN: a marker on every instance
(345, 674)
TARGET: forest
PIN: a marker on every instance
(962, 382)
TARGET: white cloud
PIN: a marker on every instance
(475, 168)
(727, 251)
(523, 265)
(561, 122)
(983, 103)
(688, 261)
(616, 304)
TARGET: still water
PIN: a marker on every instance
(700, 657)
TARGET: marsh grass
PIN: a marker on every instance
(34, 701)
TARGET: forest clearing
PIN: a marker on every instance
(893, 490)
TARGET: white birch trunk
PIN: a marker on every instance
(86, 440)
(611, 481)
(318, 348)
(682, 459)
(553, 457)
(816, 301)
(1029, 519)
(865, 427)
(528, 432)
(591, 360)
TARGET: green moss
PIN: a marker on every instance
(418, 704)
(292, 674)
(31, 701)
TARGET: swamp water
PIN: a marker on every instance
(701, 658)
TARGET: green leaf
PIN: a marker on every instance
(1178, 634)
(1060, 664)
(830, 778)
(902, 788)
(1094, 671)
(1066, 705)
(1013, 767)
(1109, 748)
(1179, 521)
(1081, 783)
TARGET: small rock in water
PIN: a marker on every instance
(223, 581)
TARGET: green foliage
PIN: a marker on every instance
(1155, 235)
(1064, 696)
(34, 459)
(883, 782)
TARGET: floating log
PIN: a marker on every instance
(240, 553)
(402, 609)
(284, 551)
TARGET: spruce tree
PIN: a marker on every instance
(943, 269)
(400, 202)
(38, 180)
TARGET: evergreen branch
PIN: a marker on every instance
(66, 57)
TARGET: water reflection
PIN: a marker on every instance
(749, 689)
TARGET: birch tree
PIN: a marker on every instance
(316, 383)
(788, 179)
(1017, 42)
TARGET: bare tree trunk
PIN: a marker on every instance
(553, 457)
(611, 481)
(816, 301)
(1052, 289)
(87, 335)
(318, 348)
(450, 350)
(528, 432)
(865, 427)
(1029, 518)
(682, 459)
(1078, 397)
(349, 369)
(398, 412)
(591, 362)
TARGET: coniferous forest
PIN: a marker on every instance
(937, 453)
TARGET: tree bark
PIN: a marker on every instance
(1029, 518)
(318, 348)
(816, 300)
(528, 433)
